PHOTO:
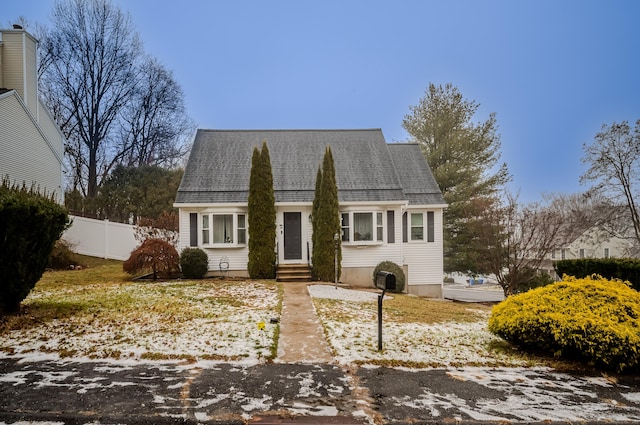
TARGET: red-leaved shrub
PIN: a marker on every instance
(155, 255)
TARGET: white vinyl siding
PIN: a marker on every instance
(356, 255)
(26, 156)
(19, 66)
(12, 61)
(51, 131)
(237, 255)
(425, 260)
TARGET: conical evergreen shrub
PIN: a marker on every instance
(326, 223)
(262, 216)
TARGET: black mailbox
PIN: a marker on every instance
(386, 281)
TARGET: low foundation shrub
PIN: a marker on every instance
(194, 263)
(390, 266)
(593, 320)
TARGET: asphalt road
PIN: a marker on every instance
(77, 392)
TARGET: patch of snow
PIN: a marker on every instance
(632, 397)
(300, 408)
(337, 293)
(33, 423)
(538, 395)
(17, 378)
(252, 404)
(201, 416)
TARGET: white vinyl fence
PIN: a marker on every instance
(100, 238)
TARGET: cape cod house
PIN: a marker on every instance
(31, 143)
(390, 204)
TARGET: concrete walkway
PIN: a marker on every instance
(302, 339)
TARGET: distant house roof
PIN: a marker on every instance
(367, 168)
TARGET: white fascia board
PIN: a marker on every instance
(293, 204)
(208, 205)
(372, 203)
(426, 207)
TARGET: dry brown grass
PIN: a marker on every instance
(402, 308)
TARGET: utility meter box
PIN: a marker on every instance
(386, 281)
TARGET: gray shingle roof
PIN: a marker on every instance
(419, 185)
(220, 162)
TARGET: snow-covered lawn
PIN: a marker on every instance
(145, 320)
(231, 321)
(350, 322)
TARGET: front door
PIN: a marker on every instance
(292, 236)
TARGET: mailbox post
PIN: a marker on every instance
(385, 281)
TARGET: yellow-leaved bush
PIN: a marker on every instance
(594, 320)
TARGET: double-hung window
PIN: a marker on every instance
(346, 237)
(362, 227)
(418, 227)
(223, 229)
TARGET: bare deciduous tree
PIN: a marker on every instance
(114, 104)
(91, 55)
(614, 169)
(154, 123)
(519, 241)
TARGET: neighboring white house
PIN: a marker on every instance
(595, 242)
(31, 144)
(590, 242)
(390, 204)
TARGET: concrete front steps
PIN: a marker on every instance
(293, 273)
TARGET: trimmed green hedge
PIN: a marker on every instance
(593, 320)
(626, 269)
(30, 224)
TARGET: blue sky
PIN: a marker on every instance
(552, 71)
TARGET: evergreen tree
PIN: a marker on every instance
(464, 159)
(314, 211)
(30, 224)
(326, 222)
(270, 213)
(262, 216)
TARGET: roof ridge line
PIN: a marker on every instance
(256, 130)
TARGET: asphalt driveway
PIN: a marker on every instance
(116, 392)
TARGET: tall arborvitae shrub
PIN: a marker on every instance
(30, 224)
(262, 217)
(314, 212)
(326, 223)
